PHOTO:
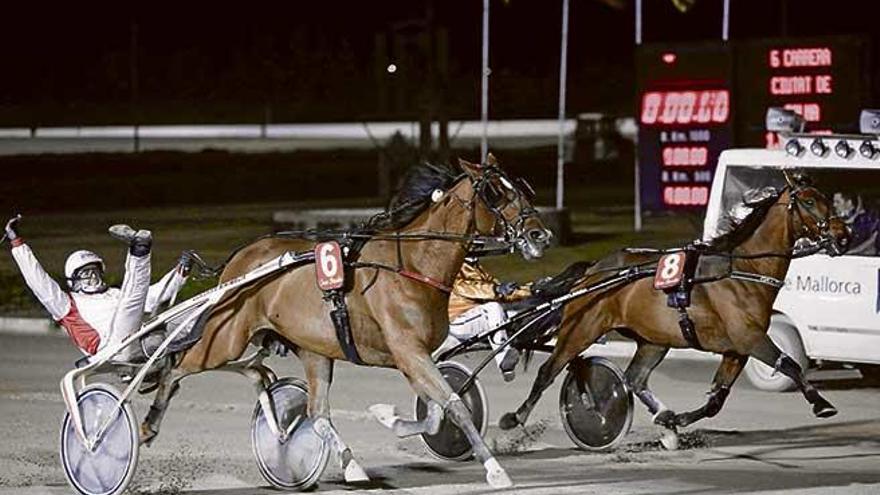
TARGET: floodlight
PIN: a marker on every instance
(868, 150)
(782, 120)
(818, 147)
(794, 148)
(843, 149)
(869, 122)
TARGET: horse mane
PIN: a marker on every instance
(413, 195)
(738, 230)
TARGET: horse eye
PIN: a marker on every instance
(809, 202)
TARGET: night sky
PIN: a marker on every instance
(300, 61)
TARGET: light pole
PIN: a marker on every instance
(637, 204)
(484, 103)
(560, 144)
(725, 21)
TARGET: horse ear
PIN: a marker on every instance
(491, 161)
(789, 179)
(797, 178)
(472, 169)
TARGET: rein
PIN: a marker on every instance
(512, 231)
(317, 235)
(418, 277)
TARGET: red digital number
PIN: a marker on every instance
(685, 195)
(685, 107)
(721, 108)
(651, 107)
(685, 156)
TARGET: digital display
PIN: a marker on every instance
(685, 107)
(822, 79)
(695, 100)
(685, 121)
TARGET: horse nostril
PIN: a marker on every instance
(539, 235)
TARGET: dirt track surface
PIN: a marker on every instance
(760, 443)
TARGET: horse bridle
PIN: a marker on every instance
(821, 224)
(513, 228)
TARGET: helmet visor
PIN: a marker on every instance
(89, 279)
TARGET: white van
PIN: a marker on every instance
(829, 309)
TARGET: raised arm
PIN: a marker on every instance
(170, 283)
(48, 292)
(163, 290)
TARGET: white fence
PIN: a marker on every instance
(503, 134)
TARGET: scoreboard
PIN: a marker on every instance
(684, 120)
(695, 100)
(823, 79)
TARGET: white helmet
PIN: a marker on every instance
(77, 260)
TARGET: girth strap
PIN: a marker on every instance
(342, 324)
(688, 330)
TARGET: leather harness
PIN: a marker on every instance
(679, 296)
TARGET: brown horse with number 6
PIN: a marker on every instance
(396, 305)
(730, 315)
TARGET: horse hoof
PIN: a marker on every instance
(508, 422)
(669, 440)
(354, 473)
(665, 418)
(385, 414)
(147, 435)
(825, 410)
(496, 476)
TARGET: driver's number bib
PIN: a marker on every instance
(670, 269)
(328, 265)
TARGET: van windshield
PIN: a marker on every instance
(855, 194)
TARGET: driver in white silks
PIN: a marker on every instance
(94, 315)
(475, 309)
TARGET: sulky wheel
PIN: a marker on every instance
(108, 468)
(450, 443)
(595, 404)
(297, 461)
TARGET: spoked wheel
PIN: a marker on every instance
(297, 461)
(595, 404)
(108, 468)
(450, 443)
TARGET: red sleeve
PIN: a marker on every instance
(81, 333)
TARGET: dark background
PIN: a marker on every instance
(102, 63)
(200, 62)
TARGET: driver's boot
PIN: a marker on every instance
(139, 241)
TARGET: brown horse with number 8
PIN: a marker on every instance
(728, 315)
